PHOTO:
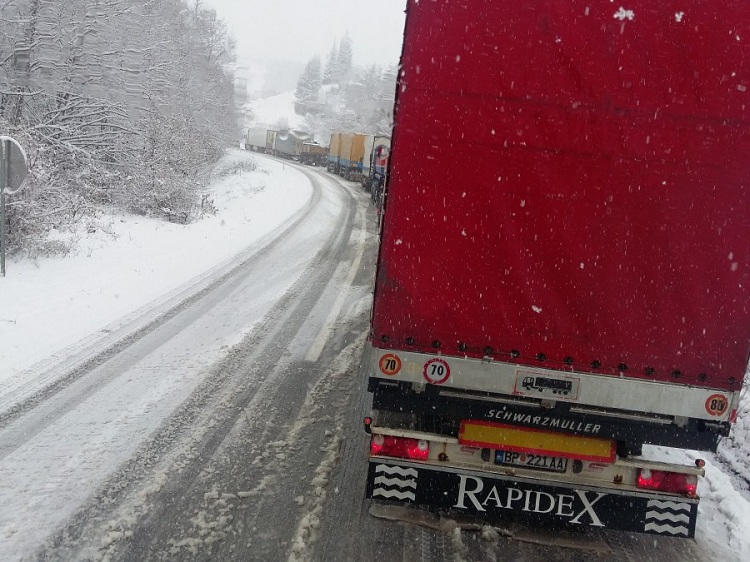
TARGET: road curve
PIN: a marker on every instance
(122, 405)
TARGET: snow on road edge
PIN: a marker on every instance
(50, 304)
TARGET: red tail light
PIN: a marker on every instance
(401, 447)
(672, 482)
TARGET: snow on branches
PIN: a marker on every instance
(119, 102)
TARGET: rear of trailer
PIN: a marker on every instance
(334, 151)
(352, 153)
(564, 267)
(255, 139)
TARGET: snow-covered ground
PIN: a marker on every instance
(49, 306)
(52, 457)
(724, 512)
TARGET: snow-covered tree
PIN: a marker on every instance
(122, 102)
(331, 71)
(345, 59)
(308, 85)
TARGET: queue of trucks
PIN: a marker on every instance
(571, 284)
(354, 156)
(285, 143)
(359, 157)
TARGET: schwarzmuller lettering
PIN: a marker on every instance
(530, 501)
(544, 421)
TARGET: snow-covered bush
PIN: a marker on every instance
(118, 104)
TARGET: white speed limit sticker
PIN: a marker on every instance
(436, 371)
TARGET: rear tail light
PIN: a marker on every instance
(672, 482)
(400, 447)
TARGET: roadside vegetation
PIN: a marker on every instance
(340, 96)
(120, 105)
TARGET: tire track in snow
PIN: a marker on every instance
(195, 433)
(142, 323)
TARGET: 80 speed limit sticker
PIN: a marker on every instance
(436, 371)
(717, 404)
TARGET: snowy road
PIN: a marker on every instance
(238, 347)
(224, 424)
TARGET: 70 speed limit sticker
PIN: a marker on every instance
(436, 371)
(390, 364)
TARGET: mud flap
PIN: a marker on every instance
(499, 497)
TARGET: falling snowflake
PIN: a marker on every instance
(623, 14)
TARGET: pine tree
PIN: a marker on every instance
(345, 59)
(308, 85)
(331, 65)
(316, 78)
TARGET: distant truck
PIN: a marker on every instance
(313, 154)
(256, 139)
(564, 267)
(289, 144)
(347, 154)
(375, 162)
(333, 153)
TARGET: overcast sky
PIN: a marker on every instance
(299, 29)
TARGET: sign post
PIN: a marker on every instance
(13, 170)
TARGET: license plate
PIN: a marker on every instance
(529, 460)
(503, 437)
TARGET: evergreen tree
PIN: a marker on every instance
(344, 60)
(308, 87)
(308, 84)
(316, 75)
(331, 65)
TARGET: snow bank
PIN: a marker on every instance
(49, 304)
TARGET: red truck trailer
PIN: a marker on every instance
(564, 266)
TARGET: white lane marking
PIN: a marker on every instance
(317, 347)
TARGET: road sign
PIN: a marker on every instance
(15, 156)
(13, 170)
